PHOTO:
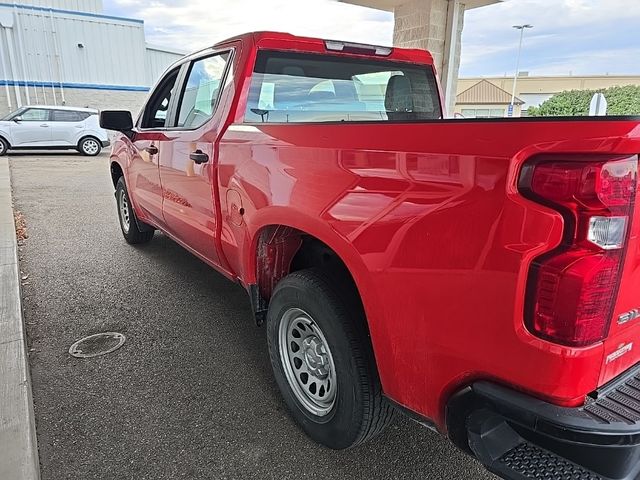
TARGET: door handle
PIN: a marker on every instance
(199, 157)
(151, 150)
(44, 125)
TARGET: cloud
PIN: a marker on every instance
(578, 36)
(609, 62)
(200, 23)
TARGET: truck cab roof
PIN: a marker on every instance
(288, 41)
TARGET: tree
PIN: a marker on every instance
(621, 101)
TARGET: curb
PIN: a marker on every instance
(18, 447)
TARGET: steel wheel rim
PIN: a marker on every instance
(123, 208)
(90, 147)
(307, 362)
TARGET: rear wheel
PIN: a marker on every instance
(129, 224)
(323, 361)
(90, 146)
(4, 146)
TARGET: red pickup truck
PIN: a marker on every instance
(482, 276)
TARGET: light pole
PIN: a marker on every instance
(515, 78)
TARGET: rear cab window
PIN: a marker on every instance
(291, 87)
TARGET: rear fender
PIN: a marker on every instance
(308, 225)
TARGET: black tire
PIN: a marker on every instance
(89, 146)
(130, 226)
(359, 411)
(4, 146)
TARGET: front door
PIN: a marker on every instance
(143, 177)
(31, 128)
(188, 172)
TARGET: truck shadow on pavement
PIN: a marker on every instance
(233, 378)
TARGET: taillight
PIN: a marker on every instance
(572, 290)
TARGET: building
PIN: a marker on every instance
(434, 25)
(479, 94)
(486, 100)
(67, 52)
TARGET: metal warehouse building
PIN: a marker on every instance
(67, 52)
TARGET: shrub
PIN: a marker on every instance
(621, 101)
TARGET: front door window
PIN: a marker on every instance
(35, 115)
(157, 108)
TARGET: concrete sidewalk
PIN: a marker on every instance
(18, 450)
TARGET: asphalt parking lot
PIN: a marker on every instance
(191, 393)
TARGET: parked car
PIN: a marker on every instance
(479, 275)
(41, 127)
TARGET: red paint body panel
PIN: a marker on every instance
(426, 216)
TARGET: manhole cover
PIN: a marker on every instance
(98, 344)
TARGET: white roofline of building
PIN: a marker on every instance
(160, 48)
(79, 13)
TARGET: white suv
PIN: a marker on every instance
(41, 127)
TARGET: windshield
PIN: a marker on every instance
(299, 87)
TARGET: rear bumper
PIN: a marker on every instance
(519, 437)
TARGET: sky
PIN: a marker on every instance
(577, 37)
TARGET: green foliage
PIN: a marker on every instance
(621, 101)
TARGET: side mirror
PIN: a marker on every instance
(118, 120)
(17, 119)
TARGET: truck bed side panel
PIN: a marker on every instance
(428, 218)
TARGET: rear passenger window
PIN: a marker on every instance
(68, 116)
(298, 87)
(202, 90)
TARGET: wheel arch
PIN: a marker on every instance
(116, 171)
(6, 140)
(303, 232)
(84, 136)
(305, 244)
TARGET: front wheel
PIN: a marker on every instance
(129, 224)
(323, 361)
(90, 146)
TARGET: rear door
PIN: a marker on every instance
(143, 177)
(66, 126)
(187, 171)
(33, 129)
